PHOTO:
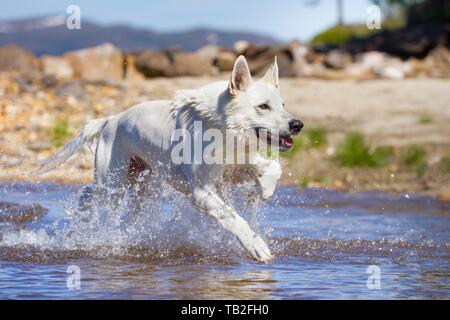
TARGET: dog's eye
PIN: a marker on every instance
(264, 106)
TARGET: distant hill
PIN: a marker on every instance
(49, 35)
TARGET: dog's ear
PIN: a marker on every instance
(240, 77)
(271, 75)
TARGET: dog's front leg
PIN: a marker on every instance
(269, 172)
(209, 201)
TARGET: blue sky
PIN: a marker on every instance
(285, 19)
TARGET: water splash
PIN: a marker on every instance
(166, 226)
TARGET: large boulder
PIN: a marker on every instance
(225, 60)
(13, 58)
(378, 64)
(209, 52)
(169, 63)
(100, 63)
(190, 64)
(338, 59)
(291, 59)
(220, 59)
(154, 63)
(438, 62)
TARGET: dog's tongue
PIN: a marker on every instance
(287, 142)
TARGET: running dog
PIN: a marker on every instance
(142, 139)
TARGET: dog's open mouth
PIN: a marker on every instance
(285, 142)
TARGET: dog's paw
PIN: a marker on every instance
(259, 249)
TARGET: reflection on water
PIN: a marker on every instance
(323, 241)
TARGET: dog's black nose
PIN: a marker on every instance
(295, 126)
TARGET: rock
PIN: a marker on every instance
(13, 58)
(241, 46)
(19, 213)
(59, 67)
(189, 64)
(438, 62)
(210, 52)
(338, 59)
(154, 63)
(219, 58)
(300, 56)
(417, 68)
(130, 70)
(225, 60)
(100, 63)
(378, 64)
(394, 72)
(171, 64)
(291, 59)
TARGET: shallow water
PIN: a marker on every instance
(323, 241)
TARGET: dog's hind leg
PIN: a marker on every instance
(140, 181)
(209, 201)
(110, 172)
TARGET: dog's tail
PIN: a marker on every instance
(91, 130)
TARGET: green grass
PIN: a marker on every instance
(354, 152)
(299, 143)
(342, 33)
(312, 138)
(416, 157)
(60, 133)
(317, 137)
(446, 163)
(304, 182)
(425, 118)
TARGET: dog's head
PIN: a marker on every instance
(258, 105)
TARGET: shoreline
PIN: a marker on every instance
(377, 135)
(86, 179)
(55, 182)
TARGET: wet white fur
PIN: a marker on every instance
(145, 131)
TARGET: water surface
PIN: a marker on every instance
(323, 241)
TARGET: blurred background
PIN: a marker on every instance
(370, 79)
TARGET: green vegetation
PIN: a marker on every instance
(354, 152)
(416, 157)
(60, 133)
(299, 143)
(446, 163)
(425, 118)
(312, 138)
(304, 182)
(342, 33)
(317, 137)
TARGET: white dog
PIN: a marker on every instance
(141, 139)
